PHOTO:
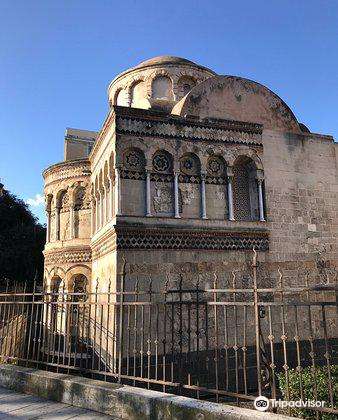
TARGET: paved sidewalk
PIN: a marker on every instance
(14, 405)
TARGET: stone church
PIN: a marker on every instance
(189, 172)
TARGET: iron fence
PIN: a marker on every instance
(222, 342)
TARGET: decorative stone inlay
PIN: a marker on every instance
(234, 133)
(133, 160)
(161, 162)
(173, 239)
(215, 167)
(66, 170)
(140, 176)
(189, 179)
(161, 177)
(215, 180)
(64, 257)
(189, 165)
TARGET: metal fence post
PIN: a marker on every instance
(257, 322)
(122, 285)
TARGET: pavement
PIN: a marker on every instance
(14, 405)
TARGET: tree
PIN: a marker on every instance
(22, 241)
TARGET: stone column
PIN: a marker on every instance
(96, 213)
(203, 201)
(57, 223)
(104, 205)
(176, 196)
(48, 226)
(148, 197)
(230, 198)
(260, 200)
(111, 198)
(117, 192)
(100, 209)
(71, 220)
(92, 217)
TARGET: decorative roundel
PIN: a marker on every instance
(161, 162)
(133, 160)
(216, 166)
(189, 165)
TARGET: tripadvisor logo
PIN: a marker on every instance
(261, 403)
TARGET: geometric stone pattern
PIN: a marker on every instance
(143, 239)
(63, 257)
(230, 132)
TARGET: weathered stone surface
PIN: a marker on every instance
(123, 402)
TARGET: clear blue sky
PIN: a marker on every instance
(57, 58)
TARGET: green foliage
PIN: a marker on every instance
(21, 242)
(308, 384)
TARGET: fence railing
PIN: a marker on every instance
(224, 342)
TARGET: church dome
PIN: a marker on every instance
(165, 59)
(157, 83)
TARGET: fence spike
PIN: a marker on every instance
(280, 277)
(215, 280)
(233, 279)
(254, 258)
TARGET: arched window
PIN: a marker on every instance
(185, 84)
(63, 223)
(81, 213)
(138, 93)
(245, 189)
(80, 287)
(162, 88)
(121, 98)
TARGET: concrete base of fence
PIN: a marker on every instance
(120, 401)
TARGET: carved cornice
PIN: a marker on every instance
(68, 256)
(143, 238)
(232, 132)
(66, 170)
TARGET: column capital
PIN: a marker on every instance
(260, 180)
(229, 172)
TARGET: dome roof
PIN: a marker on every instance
(165, 59)
(239, 99)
